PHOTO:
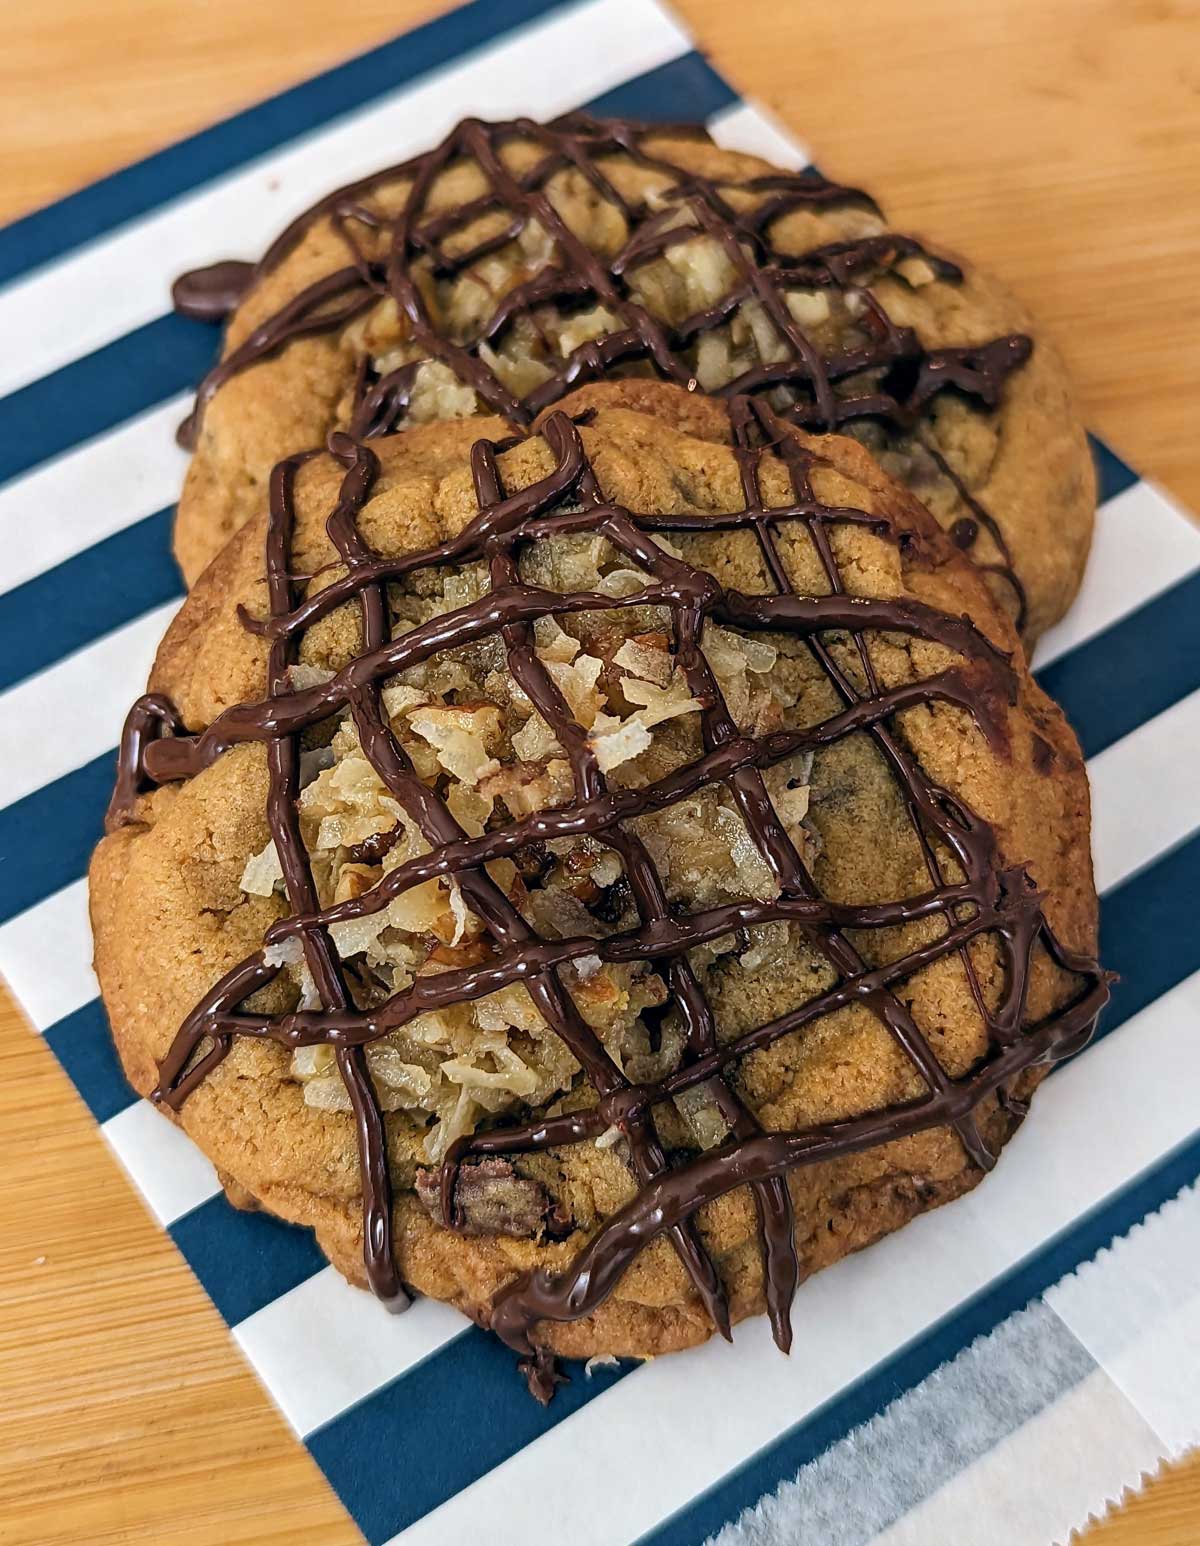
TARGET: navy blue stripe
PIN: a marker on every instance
(87, 596)
(244, 1260)
(45, 839)
(83, 1045)
(1148, 931)
(1113, 476)
(867, 1397)
(101, 390)
(1135, 669)
(685, 90)
(95, 210)
(467, 1408)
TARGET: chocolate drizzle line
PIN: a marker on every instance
(908, 375)
(989, 899)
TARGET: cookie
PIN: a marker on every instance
(518, 261)
(596, 878)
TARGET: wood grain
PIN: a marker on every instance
(1056, 144)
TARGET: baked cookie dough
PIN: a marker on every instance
(517, 261)
(596, 878)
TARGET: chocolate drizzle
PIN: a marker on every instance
(891, 377)
(210, 294)
(990, 898)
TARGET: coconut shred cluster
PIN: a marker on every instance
(472, 734)
(526, 341)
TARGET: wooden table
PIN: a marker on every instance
(1054, 142)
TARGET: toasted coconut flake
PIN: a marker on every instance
(389, 1065)
(809, 308)
(714, 361)
(507, 1008)
(301, 675)
(621, 582)
(700, 1111)
(583, 327)
(263, 872)
(462, 914)
(420, 910)
(459, 1120)
(552, 642)
(577, 683)
(728, 652)
(285, 952)
(510, 1073)
(438, 394)
(658, 704)
(618, 744)
(661, 540)
(460, 737)
(769, 944)
(650, 662)
(520, 372)
(752, 870)
(327, 1094)
(359, 936)
(535, 740)
(705, 268)
(536, 244)
(471, 808)
(312, 1062)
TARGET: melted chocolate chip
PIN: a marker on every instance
(372, 849)
(214, 293)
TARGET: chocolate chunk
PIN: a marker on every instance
(541, 1374)
(490, 1198)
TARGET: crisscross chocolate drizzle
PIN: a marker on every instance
(891, 378)
(989, 897)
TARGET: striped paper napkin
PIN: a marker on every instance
(990, 1374)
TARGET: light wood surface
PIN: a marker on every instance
(1054, 140)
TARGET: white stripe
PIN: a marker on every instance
(91, 492)
(750, 128)
(162, 1161)
(1069, 1156)
(46, 955)
(86, 300)
(72, 711)
(1143, 544)
(1145, 793)
(1136, 1308)
(324, 1345)
(1096, 1443)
